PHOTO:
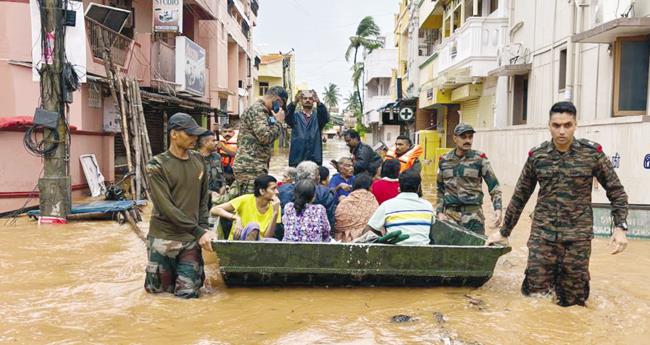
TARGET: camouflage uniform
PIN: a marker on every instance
(459, 188)
(257, 133)
(215, 171)
(562, 229)
(174, 267)
(179, 192)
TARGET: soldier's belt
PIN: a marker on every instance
(463, 208)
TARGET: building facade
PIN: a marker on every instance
(277, 70)
(201, 65)
(500, 65)
(378, 69)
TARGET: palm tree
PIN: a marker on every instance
(352, 102)
(366, 37)
(331, 96)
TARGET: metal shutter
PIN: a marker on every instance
(469, 111)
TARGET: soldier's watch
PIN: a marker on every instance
(622, 226)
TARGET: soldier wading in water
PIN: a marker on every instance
(179, 222)
(562, 229)
(460, 183)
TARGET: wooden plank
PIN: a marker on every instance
(125, 133)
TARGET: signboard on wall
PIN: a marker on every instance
(111, 122)
(190, 66)
(168, 15)
(638, 220)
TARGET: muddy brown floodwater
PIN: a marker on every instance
(82, 284)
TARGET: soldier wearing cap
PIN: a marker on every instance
(559, 245)
(259, 127)
(459, 183)
(207, 147)
(178, 182)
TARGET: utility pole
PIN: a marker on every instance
(55, 185)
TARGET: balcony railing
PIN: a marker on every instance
(100, 36)
(474, 45)
(163, 62)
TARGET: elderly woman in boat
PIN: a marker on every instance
(303, 220)
(355, 210)
(308, 170)
(341, 182)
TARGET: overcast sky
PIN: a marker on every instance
(319, 31)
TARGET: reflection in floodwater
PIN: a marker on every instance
(83, 283)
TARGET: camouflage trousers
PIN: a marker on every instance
(471, 219)
(175, 267)
(237, 188)
(561, 268)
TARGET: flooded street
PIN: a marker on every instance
(83, 284)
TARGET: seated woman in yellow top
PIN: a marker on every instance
(254, 216)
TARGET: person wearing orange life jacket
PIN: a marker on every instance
(407, 154)
(227, 149)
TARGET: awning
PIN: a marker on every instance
(509, 70)
(609, 31)
(386, 108)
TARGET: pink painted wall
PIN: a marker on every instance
(19, 95)
(21, 173)
(14, 22)
(233, 75)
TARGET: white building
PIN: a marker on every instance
(501, 64)
(378, 67)
(595, 53)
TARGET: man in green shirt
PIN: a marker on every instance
(179, 223)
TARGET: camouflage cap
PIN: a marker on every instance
(463, 128)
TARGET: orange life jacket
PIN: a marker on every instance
(231, 144)
(407, 159)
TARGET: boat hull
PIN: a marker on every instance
(458, 259)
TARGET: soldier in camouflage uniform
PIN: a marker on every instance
(179, 220)
(560, 239)
(260, 126)
(459, 183)
(208, 150)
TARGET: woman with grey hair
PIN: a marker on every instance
(341, 183)
(289, 176)
(308, 170)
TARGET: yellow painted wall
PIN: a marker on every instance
(431, 143)
(271, 70)
(486, 112)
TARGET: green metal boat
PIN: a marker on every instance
(458, 258)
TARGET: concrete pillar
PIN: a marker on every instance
(502, 111)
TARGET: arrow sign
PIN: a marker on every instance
(406, 114)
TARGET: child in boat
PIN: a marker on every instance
(304, 221)
(324, 175)
(387, 187)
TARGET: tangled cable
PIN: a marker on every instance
(41, 148)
